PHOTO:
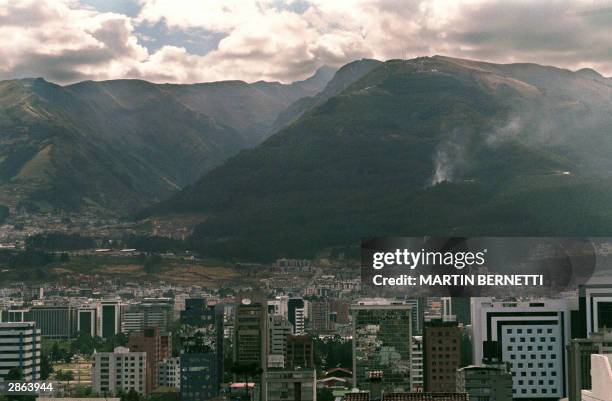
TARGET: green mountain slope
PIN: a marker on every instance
(344, 77)
(426, 146)
(118, 146)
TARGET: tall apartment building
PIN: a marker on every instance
(119, 371)
(290, 385)
(319, 316)
(441, 355)
(20, 346)
(299, 353)
(417, 315)
(531, 337)
(296, 313)
(382, 341)
(489, 382)
(280, 329)
(149, 341)
(416, 365)
(579, 360)
(149, 313)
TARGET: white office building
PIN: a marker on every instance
(119, 370)
(280, 328)
(531, 336)
(20, 348)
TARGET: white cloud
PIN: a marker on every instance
(286, 40)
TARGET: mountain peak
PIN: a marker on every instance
(590, 73)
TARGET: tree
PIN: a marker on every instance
(64, 376)
(324, 394)
(45, 366)
(81, 391)
(14, 374)
(152, 263)
(56, 353)
(131, 395)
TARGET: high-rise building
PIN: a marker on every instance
(296, 313)
(579, 361)
(149, 341)
(417, 315)
(441, 355)
(299, 353)
(201, 360)
(110, 318)
(119, 371)
(280, 329)
(290, 385)
(416, 365)
(530, 336)
(319, 316)
(447, 309)
(54, 321)
(87, 318)
(490, 382)
(20, 346)
(382, 337)
(200, 376)
(250, 337)
(341, 309)
(149, 313)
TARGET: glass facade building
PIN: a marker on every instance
(382, 336)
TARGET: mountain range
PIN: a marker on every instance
(114, 147)
(429, 146)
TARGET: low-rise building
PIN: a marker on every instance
(169, 374)
(291, 385)
(485, 382)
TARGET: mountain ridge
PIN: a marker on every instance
(429, 146)
(119, 145)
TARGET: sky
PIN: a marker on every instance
(187, 41)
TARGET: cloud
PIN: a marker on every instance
(62, 43)
(285, 40)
